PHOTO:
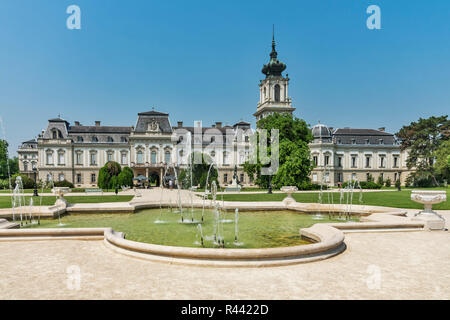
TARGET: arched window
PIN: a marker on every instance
(153, 157)
(140, 158)
(167, 156)
(277, 93)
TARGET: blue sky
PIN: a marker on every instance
(202, 60)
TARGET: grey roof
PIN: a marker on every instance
(321, 131)
(57, 120)
(146, 118)
(32, 141)
(365, 132)
(152, 113)
(362, 136)
(99, 129)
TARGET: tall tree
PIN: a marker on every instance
(294, 157)
(13, 163)
(422, 139)
(442, 163)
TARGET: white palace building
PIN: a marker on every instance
(76, 152)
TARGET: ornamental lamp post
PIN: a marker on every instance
(35, 192)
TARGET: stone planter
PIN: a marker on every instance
(289, 190)
(60, 192)
(433, 220)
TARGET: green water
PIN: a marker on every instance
(261, 229)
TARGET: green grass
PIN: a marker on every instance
(5, 201)
(262, 229)
(396, 199)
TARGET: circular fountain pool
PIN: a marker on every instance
(259, 229)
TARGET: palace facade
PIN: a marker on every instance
(76, 152)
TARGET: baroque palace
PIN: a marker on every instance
(76, 152)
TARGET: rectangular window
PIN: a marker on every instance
(124, 158)
(354, 162)
(140, 157)
(93, 159)
(49, 158)
(367, 162)
(79, 158)
(315, 160)
(225, 178)
(93, 178)
(78, 178)
(242, 178)
(327, 159)
(60, 158)
(339, 161)
(381, 162)
(61, 177)
(395, 163)
(109, 157)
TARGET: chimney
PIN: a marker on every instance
(218, 124)
(382, 129)
(180, 124)
(97, 123)
(77, 123)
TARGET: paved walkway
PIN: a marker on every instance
(397, 265)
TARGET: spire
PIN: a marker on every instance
(274, 67)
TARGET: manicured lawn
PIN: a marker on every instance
(5, 201)
(396, 199)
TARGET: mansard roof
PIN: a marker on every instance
(152, 113)
(99, 129)
(364, 132)
(362, 136)
(147, 118)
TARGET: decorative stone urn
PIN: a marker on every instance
(60, 191)
(289, 190)
(433, 220)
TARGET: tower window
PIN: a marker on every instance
(277, 92)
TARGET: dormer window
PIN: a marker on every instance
(123, 139)
(381, 141)
(110, 139)
(94, 139)
(80, 139)
(353, 141)
(367, 141)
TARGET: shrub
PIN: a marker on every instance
(125, 177)
(365, 185)
(388, 182)
(397, 183)
(380, 180)
(64, 183)
(104, 178)
(309, 186)
(4, 184)
(370, 178)
(27, 182)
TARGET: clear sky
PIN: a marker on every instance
(202, 60)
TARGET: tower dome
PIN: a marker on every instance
(321, 131)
